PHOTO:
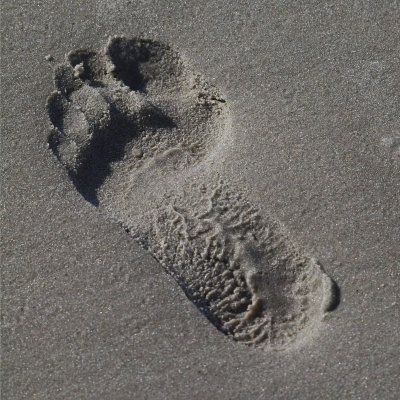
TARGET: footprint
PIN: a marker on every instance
(137, 133)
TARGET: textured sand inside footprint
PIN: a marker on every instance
(237, 266)
(137, 131)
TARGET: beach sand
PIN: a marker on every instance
(201, 200)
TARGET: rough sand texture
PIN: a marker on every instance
(295, 134)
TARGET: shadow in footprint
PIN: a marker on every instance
(138, 62)
(108, 148)
(127, 57)
(105, 147)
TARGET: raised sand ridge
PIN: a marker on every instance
(137, 131)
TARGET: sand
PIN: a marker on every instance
(201, 201)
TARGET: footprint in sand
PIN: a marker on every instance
(137, 132)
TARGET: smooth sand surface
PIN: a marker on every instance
(240, 239)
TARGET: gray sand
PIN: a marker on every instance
(176, 231)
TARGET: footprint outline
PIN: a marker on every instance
(120, 110)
